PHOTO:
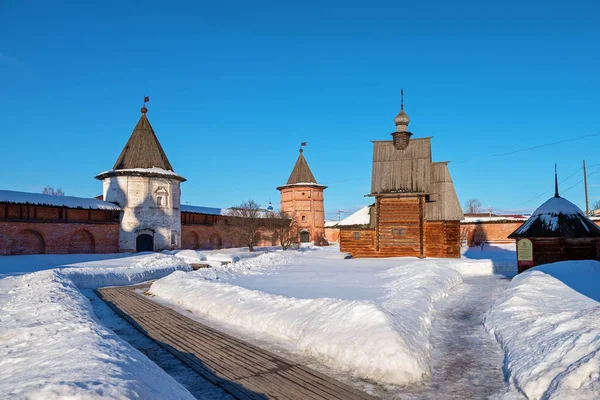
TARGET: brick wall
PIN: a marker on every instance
(57, 238)
(489, 232)
(215, 237)
(332, 234)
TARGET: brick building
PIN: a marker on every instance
(416, 211)
(302, 199)
(139, 211)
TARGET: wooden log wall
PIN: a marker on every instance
(399, 232)
(442, 239)
(363, 247)
(549, 250)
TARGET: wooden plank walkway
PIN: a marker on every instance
(245, 371)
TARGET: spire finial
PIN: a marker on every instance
(144, 110)
(555, 182)
(302, 144)
(401, 99)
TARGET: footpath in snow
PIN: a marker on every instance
(466, 361)
(363, 318)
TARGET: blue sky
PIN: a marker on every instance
(236, 86)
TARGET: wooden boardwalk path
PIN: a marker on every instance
(244, 370)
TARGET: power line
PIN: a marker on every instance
(549, 191)
(528, 148)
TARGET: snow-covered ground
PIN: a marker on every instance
(550, 331)
(368, 318)
(53, 346)
(404, 327)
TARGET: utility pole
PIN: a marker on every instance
(339, 213)
(490, 210)
(587, 204)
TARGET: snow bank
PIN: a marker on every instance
(54, 347)
(151, 267)
(411, 292)
(582, 276)
(386, 343)
(550, 334)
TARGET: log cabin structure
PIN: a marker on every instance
(416, 211)
(556, 231)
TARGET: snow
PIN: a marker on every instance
(9, 196)
(361, 217)
(549, 211)
(52, 344)
(203, 210)
(54, 347)
(370, 319)
(550, 332)
(153, 170)
(492, 219)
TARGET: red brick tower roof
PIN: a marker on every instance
(301, 172)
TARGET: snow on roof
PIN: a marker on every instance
(331, 224)
(204, 210)
(263, 213)
(493, 219)
(557, 217)
(153, 170)
(557, 205)
(9, 196)
(361, 217)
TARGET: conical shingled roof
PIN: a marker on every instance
(301, 172)
(143, 150)
(557, 217)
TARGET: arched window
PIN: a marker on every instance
(161, 197)
(304, 218)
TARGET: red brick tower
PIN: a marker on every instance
(302, 198)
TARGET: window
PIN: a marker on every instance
(356, 235)
(161, 197)
(398, 232)
(174, 238)
(304, 218)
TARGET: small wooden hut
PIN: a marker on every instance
(557, 231)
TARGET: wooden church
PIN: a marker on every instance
(416, 211)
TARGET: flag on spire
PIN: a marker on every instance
(146, 99)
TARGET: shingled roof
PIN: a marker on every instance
(557, 217)
(301, 172)
(143, 150)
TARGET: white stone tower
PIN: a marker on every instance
(144, 184)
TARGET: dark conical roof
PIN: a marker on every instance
(557, 217)
(143, 150)
(301, 172)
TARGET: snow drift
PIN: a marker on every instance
(550, 333)
(54, 347)
(385, 343)
(152, 267)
